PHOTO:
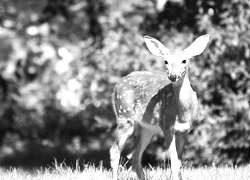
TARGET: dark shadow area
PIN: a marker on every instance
(37, 156)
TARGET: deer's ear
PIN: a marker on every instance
(155, 46)
(197, 47)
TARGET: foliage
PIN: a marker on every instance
(59, 61)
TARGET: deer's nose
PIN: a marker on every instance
(172, 77)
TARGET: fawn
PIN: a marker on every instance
(146, 103)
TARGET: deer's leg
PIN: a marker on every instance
(123, 132)
(171, 146)
(175, 161)
(175, 151)
(142, 140)
(114, 159)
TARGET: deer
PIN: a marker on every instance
(146, 103)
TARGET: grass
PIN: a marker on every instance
(91, 172)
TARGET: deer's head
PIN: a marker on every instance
(176, 61)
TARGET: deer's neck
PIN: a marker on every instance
(182, 90)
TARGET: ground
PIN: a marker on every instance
(60, 171)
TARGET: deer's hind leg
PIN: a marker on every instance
(125, 129)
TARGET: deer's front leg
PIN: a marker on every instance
(175, 152)
(170, 144)
(142, 140)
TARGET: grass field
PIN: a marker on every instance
(90, 172)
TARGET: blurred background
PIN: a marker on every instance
(60, 59)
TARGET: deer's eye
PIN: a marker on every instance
(166, 62)
(183, 61)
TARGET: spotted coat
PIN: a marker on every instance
(149, 99)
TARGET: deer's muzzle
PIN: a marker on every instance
(173, 77)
